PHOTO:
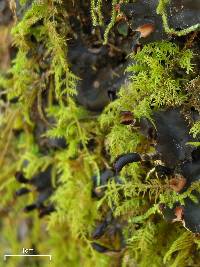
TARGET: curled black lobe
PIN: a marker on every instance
(20, 178)
(125, 159)
(22, 191)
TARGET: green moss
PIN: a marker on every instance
(153, 84)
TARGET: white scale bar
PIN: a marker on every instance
(28, 255)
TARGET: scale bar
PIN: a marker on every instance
(28, 255)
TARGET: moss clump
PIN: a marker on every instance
(38, 103)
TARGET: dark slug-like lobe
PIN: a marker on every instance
(43, 186)
(124, 159)
(172, 137)
(101, 228)
(102, 249)
(22, 191)
(46, 210)
(20, 178)
(99, 248)
(42, 180)
(30, 207)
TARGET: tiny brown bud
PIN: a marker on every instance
(121, 17)
(179, 212)
(126, 117)
(117, 7)
(177, 183)
(146, 29)
(162, 206)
